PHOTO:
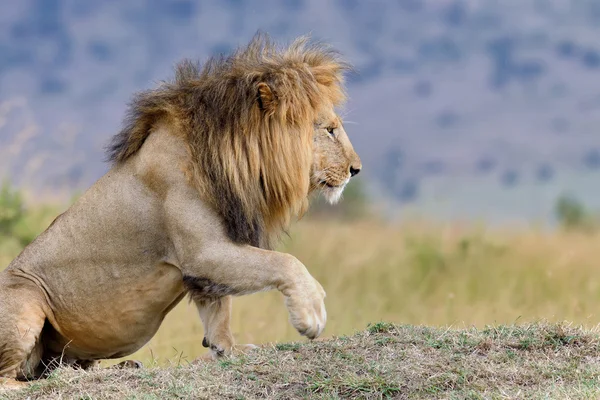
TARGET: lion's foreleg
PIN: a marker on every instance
(215, 267)
(215, 314)
(230, 269)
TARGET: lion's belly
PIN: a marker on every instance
(118, 318)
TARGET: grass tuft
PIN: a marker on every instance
(288, 346)
(380, 327)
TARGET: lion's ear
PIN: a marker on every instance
(266, 99)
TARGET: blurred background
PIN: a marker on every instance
(476, 121)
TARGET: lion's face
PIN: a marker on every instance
(334, 158)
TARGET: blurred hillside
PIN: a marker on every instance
(460, 107)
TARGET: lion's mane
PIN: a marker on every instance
(248, 122)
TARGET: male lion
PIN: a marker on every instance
(208, 170)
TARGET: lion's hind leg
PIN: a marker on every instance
(22, 319)
(87, 365)
(11, 384)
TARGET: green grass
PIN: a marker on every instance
(530, 361)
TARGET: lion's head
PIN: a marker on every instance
(261, 131)
(334, 158)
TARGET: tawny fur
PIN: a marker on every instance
(248, 158)
(208, 170)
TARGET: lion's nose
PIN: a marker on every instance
(354, 171)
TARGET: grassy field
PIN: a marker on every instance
(416, 273)
(539, 361)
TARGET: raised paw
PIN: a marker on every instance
(306, 306)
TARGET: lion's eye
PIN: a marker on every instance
(330, 130)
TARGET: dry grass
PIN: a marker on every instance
(417, 274)
(537, 361)
(420, 274)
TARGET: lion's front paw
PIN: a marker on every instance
(133, 364)
(306, 306)
(216, 353)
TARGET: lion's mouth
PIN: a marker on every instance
(329, 185)
(332, 192)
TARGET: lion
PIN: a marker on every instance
(208, 171)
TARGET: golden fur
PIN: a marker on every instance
(249, 163)
(207, 171)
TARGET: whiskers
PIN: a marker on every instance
(321, 180)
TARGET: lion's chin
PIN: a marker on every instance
(333, 194)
